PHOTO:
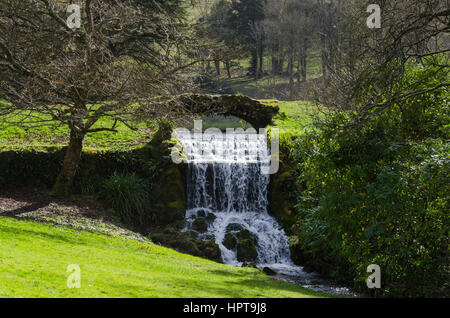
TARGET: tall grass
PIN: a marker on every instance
(128, 196)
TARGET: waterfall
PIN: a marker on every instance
(225, 185)
(228, 191)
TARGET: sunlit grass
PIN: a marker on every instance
(34, 259)
(29, 135)
(295, 117)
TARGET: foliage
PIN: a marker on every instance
(29, 168)
(232, 23)
(377, 193)
(366, 71)
(185, 242)
(128, 195)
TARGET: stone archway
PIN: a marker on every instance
(243, 107)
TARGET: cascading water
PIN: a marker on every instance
(226, 188)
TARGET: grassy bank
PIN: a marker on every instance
(34, 259)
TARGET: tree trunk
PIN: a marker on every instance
(280, 65)
(290, 71)
(256, 61)
(302, 60)
(274, 65)
(322, 16)
(303, 68)
(217, 64)
(253, 63)
(324, 58)
(63, 185)
(274, 51)
(261, 60)
(227, 66)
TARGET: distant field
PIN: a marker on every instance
(269, 86)
(34, 259)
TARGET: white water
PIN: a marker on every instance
(224, 179)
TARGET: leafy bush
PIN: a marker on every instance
(392, 214)
(379, 194)
(128, 195)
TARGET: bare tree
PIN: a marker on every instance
(289, 26)
(373, 61)
(124, 52)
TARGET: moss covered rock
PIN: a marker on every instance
(169, 198)
(283, 192)
(210, 218)
(257, 114)
(239, 239)
(185, 242)
(269, 271)
(233, 227)
(246, 249)
(169, 193)
(230, 241)
(200, 225)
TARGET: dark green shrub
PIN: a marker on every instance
(128, 195)
(41, 168)
(29, 168)
(394, 214)
(377, 192)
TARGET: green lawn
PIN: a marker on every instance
(294, 117)
(38, 136)
(34, 259)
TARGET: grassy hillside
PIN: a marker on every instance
(34, 259)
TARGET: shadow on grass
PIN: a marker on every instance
(37, 234)
(29, 208)
(37, 205)
(241, 287)
(253, 280)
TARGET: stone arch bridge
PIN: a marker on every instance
(255, 113)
